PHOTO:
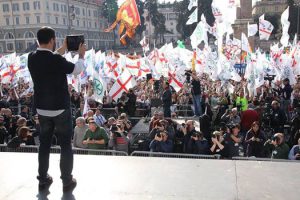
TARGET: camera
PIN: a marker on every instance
(196, 134)
(158, 135)
(114, 129)
(276, 139)
(183, 125)
(73, 42)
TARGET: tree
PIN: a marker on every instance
(110, 9)
(204, 7)
(140, 29)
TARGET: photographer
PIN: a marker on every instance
(22, 138)
(278, 117)
(196, 93)
(123, 119)
(295, 152)
(188, 130)
(232, 141)
(118, 140)
(161, 143)
(276, 147)
(95, 137)
(217, 143)
(254, 141)
(231, 117)
(197, 144)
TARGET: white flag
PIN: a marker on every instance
(144, 44)
(123, 84)
(192, 4)
(245, 43)
(193, 17)
(285, 28)
(199, 35)
(99, 87)
(252, 29)
(265, 28)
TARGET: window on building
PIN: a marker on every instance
(56, 20)
(65, 8)
(78, 22)
(171, 23)
(95, 24)
(90, 24)
(77, 11)
(83, 11)
(19, 46)
(7, 21)
(64, 21)
(89, 12)
(9, 36)
(37, 5)
(26, 6)
(47, 5)
(17, 21)
(5, 7)
(10, 46)
(28, 34)
(48, 19)
(276, 8)
(15, 7)
(83, 23)
(27, 20)
(263, 10)
(38, 19)
(95, 13)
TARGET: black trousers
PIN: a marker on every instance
(62, 124)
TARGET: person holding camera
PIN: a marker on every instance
(188, 130)
(254, 141)
(231, 116)
(49, 71)
(161, 143)
(232, 141)
(118, 140)
(196, 93)
(197, 144)
(24, 134)
(276, 147)
(95, 137)
(217, 143)
(295, 152)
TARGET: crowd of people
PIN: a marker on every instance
(231, 123)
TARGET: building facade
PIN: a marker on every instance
(20, 20)
(171, 22)
(272, 7)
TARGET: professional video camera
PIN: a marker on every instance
(266, 120)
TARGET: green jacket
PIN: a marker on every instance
(99, 134)
(243, 102)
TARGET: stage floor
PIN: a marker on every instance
(138, 178)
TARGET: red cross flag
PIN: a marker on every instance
(133, 66)
(123, 84)
(112, 69)
(8, 74)
(144, 44)
(176, 81)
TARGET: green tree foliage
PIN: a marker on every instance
(110, 9)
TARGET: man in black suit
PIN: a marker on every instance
(167, 100)
(48, 70)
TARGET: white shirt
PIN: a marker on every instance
(79, 66)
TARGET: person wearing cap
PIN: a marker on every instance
(99, 118)
(95, 137)
(167, 100)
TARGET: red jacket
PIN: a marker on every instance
(248, 117)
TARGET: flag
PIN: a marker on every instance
(245, 43)
(123, 84)
(176, 80)
(199, 35)
(265, 28)
(192, 4)
(285, 27)
(144, 44)
(252, 29)
(193, 17)
(129, 18)
(216, 12)
(99, 87)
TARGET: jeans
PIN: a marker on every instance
(197, 104)
(62, 124)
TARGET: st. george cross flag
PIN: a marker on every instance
(285, 28)
(265, 28)
(123, 84)
(193, 17)
(252, 29)
(192, 4)
(176, 80)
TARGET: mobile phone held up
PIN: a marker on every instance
(73, 42)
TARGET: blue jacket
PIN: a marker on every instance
(162, 146)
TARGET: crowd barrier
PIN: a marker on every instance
(56, 149)
(172, 155)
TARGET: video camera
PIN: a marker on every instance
(73, 42)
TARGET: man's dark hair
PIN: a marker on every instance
(45, 34)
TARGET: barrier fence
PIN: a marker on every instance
(56, 149)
